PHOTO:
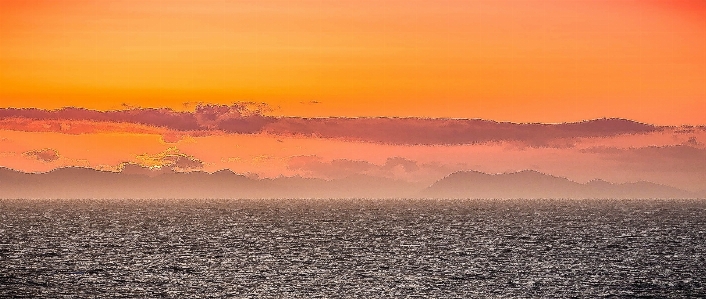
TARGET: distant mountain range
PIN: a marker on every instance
(533, 184)
(89, 183)
(134, 182)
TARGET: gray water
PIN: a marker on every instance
(352, 248)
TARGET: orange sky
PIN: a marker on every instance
(539, 61)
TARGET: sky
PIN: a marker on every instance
(333, 88)
(507, 60)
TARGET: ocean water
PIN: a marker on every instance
(352, 248)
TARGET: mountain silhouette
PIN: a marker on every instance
(533, 184)
(74, 182)
(144, 183)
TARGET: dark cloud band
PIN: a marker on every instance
(248, 118)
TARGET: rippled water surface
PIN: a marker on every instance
(352, 248)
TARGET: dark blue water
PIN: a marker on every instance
(352, 248)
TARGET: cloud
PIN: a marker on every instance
(241, 117)
(692, 142)
(250, 118)
(135, 168)
(244, 117)
(421, 131)
(310, 103)
(172, 159)
(406, 164)
(46, 155)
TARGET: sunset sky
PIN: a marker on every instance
(249, 86)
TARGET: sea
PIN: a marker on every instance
(352, 248)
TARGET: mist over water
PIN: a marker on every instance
(352, 248)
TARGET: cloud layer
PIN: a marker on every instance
(248, 118)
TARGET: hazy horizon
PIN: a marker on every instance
(134, 181)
